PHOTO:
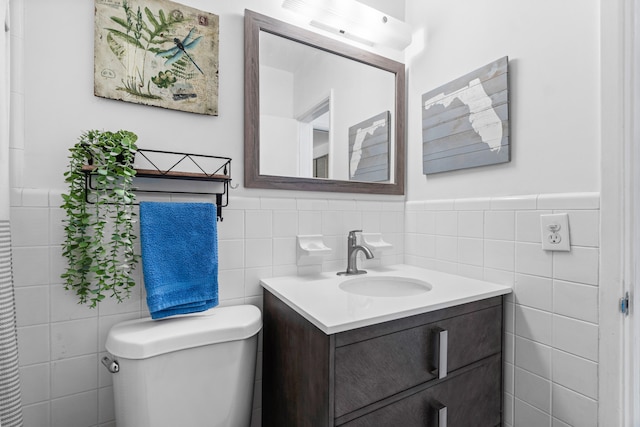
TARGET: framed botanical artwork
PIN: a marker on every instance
(465, 123)
(158, 53)
(369, 149)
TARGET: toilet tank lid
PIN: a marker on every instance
(143, 338)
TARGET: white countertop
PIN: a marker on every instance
(319, 299)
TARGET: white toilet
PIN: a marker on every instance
(195, 370)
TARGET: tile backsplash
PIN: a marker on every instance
(551, 334)
(551, 319)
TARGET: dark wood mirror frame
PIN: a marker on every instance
(254, 23)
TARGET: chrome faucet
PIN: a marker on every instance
(352, 255)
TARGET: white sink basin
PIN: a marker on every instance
(376, 286)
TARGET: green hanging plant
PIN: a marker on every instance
(99, 233)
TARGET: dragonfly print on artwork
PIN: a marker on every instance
(180, 49)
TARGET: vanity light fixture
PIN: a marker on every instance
(354, 20)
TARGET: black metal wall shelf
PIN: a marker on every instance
(202, 168)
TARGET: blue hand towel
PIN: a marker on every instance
(179, 257)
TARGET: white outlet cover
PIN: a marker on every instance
(560, 223)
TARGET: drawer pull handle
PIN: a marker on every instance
(441, 345)
(441, 411)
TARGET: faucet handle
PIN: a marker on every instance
(352, 233)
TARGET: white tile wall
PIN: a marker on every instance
(551, 330)
(61, 342)
(551, 319)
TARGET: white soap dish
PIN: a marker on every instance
(311, 249)
(374, 242)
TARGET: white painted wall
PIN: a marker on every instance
(553, 48)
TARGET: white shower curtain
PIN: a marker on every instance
(10, 399)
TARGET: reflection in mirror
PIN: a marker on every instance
(320, 114)
(308, 94)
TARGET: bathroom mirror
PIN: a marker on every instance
(320, 115)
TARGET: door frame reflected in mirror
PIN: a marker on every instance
(254, 24)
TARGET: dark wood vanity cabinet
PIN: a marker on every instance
(442, 368)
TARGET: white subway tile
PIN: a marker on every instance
(513, 203)
(32, 305)
(473, 204)
(35, 383)
(309, 222)
(575, 373)
(258, 224)
(578, 265)
(252, 277)
(277, 204)
(244, 203)
(446, 223)
(569, 201)
(573, 408)
(29, 226)
(258, 252)
(15, 196)
(499, 254)
(526, 415)
(584, 227)
(426, 222)
(440, 205)
(106, 407)
(36, 414)
(75, 375)
(317, 205)
(533, 357)
(56, 226)
(343, 205)
(500, 277)
(64, 305)
(232, 227)
(446, 248)
(35, 197)
(531, 259)
(446, 266)
(528, 226)
(411, 221)
(352, 220)
(534, 291)
(534, 324)
(471, 224)
(499, 225)
(575, 300)
(470, 251)
(414, 206)
(130, 304)
(284, 251)
(332, 224)
(230, 284)
(74, 338)
(576, 337)
(33, 344)
(231, 254)
(470, 271)
(78, 410)
(391, 222)
(532, 389)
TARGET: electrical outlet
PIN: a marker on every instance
(555, 232)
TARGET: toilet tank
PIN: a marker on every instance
(195, 370)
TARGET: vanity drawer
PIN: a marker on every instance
(470, 398)
(374, 369)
